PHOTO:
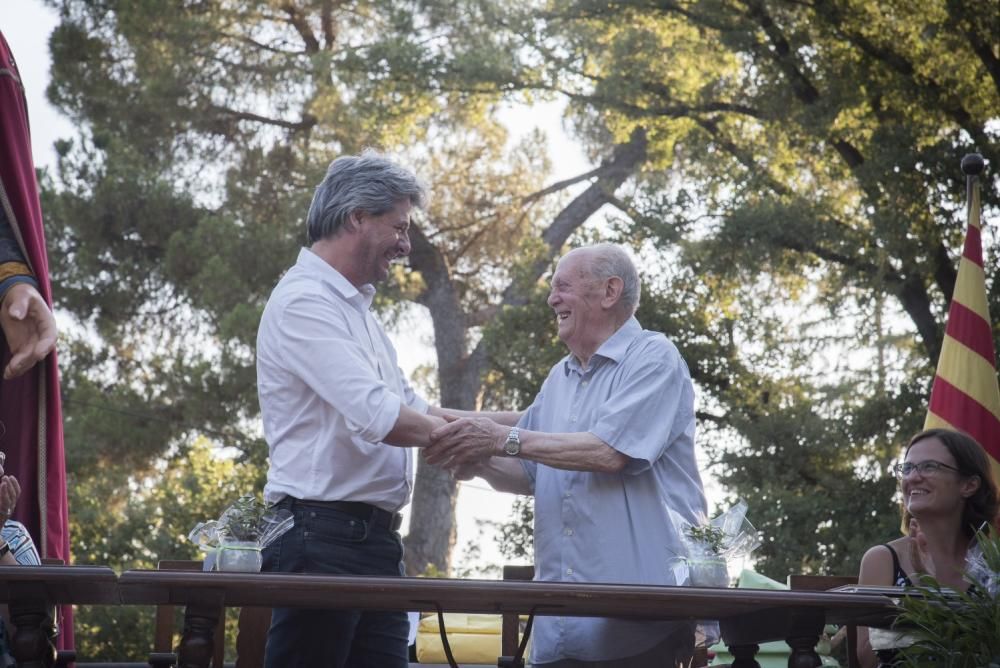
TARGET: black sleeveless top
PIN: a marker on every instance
(899, 576)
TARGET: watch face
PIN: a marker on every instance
(512, 446)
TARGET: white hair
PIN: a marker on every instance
(610, 260)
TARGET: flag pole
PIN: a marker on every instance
(972, 165)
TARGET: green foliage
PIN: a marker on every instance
(138, 529)
(241, 520)
(955, 629)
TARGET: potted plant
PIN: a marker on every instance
(953, 629)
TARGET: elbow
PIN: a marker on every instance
(613, 461)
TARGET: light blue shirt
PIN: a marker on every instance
(637, 397)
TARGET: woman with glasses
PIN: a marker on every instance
(948, 493)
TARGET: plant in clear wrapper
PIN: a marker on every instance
(241, 521)
(708, 547)
(954, 629)
(241, 532)
(711, 544)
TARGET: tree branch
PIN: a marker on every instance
(301, 25)
(307, 122)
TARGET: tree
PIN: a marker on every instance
(204, 127)
(139, 529)
(800, 193)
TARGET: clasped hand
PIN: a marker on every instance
(464, 444)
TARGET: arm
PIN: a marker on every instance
(347, 379)
(508, 418)
(412, 428)
(471, 440)
(504, 474)
(876, 569)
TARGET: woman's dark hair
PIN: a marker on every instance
(970, 460)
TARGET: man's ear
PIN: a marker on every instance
(353, 222)
(612, 291)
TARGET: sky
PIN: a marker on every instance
(27, 24)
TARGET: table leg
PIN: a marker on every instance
(743, 656)
(32, 644)
(198, 638)
(803, 652)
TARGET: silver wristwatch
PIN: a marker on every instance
(512, 446)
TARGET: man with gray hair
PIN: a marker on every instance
(334, 404)
(605, 448)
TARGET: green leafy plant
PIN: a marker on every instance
(708, 535)
(241, 521)
(956, 629)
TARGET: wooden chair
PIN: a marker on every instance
(251, 637)
(510, 629)
(823, 583)
(163, 655)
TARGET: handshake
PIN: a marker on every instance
(464, 445)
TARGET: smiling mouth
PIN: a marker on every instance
(562, 316)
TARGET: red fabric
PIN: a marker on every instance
(968, 328)
(19, 405)
(963, 412)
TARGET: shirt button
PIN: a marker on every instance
(568, 531)
(566, 495)
(572, 418)
(569, 571)
(584, 383)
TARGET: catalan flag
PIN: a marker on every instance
(965, 395)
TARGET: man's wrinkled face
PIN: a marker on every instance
(384, 239)
(575, 298)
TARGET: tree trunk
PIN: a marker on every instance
(431, 538)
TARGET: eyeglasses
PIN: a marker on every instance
(926, 467)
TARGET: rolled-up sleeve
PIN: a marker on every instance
(316, 345)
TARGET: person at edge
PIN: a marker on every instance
(948, 494)
(605, 448)
(339, 415)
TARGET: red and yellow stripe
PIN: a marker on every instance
(965, 395)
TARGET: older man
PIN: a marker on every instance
(606, 447)
(335, 405)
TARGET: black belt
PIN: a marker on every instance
(364, 511)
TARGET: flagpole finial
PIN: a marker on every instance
(973, 164)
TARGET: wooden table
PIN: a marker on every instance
(31, 592)
(747, 616)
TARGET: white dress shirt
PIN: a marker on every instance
(330, 390)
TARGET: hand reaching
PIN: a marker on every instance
(465, 441)
(29, 327)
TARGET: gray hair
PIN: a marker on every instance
(607, 260)
(368, 182)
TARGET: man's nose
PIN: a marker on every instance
(403, 243)
(552, 300)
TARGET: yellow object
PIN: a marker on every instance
(473, 638)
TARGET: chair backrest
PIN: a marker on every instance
(251, 638)
(509, 631)
(823, 583)
(163, 632)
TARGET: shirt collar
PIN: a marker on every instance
(614, 348)
(360, 297)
